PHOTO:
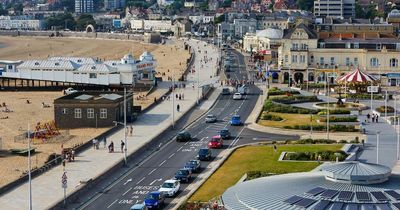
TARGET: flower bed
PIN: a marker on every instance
(295, 99)
(280, 108)
(333, 128)
(334, 111)
(276, 91)
(340, 119)
(381, 109)
(364, 96)
(313, 156)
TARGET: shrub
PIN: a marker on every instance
(364, 96)
(340, 119)
(334, 111)
(295, 99)
(271, 117)
(315, 141)
(381, 109)
(257, 174)
(315, 85)
(280, 108)
(343, 142)
(312, 156)
(276, 92)
(338, 128)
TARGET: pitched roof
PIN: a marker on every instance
(311, 33)
(49, 64)
(96, 68)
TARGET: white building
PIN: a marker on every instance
(84, 70)
(152, 25)
(164, 2)
(21, 23)
(335, 8)
(201, 18)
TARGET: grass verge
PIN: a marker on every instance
(255, 158)
(290, 120)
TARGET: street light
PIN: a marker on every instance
(124, 124)
(377, 146)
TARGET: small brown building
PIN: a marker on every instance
(92, 109)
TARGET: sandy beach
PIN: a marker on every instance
(15, 122)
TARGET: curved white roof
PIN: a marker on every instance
(394, 13)
(271, 33)
(146, 56)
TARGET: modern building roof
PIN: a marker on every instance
(48, 64)
(270, 33)
(98, 68)
(78, 60)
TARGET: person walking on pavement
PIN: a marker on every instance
(122, 146)
(131, 130)
(368, 116)
(94, 143)
(111, 147)
(177, 107)
(373, 117)
(376, 119)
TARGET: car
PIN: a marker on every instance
(204, 154)
(170, 187)
(216, 142)
(225, 134)
(211, 118)
(243, 90)
(139, 206)
(237, 96)
(183, 175)
(193, 166)
(154, 200)
(69, 91)
(183, 136)
(235, 120)
(226, 91)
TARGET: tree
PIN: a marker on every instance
(305, 4)
(84, 20)
(227, 3)
(2, 10)
(219, 19)
(369, 12)
(65, 20)
(204, 5)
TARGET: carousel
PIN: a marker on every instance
(356, 82)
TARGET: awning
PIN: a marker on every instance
(393, 75)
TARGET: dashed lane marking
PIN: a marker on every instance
(140, 180)
(127, 191)
(112, 203)
(171, 155)
(162, 163)
(152, 171)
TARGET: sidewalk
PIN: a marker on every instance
(46, 189)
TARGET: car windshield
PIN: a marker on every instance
(224, 131)
(152, 196)
(168, 185)
(236, 118)
(193, 162)
(182, 172)
(189, 164)
(203, 151)
(215, 139)
(210, 116)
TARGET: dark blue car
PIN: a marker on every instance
(154, 200)
(236, 120)
(193, 166)
(183, 175)
(225, 134)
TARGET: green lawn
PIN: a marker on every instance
(255, 158)
(291, 120)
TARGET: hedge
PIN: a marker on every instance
(313, 156)
(364, 96)
(280, 108)
(257, 174)
(340, 119)
(295, 99)
(334, 111)
(316, 85)
(282, 92)
(271, 117)
(338, 128)
(381, 109)
(315, 141)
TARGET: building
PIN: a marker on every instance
(192, 3)
(84, 6)
(225, 30)
(165, 2)
(114, 4)
(152, 37)
(84, 70)
(91, 109)
(347, 185)
(152, 25)
(270, 38)
(267, 22)
(21, 23)
(335, 8)
(181, 27)
(242, 26)
(394, 19)
(197, 19)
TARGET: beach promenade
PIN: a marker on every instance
(47, 190)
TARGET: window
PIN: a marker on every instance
(312, 59)
(348, 45)
(332, 60)
(78, 113)
(398, 46)
(356, 45)
(347, 61)
(321, 61)
(322, 45)
(286, 58)
(295, 46)
(294, 58)
(378, 46)
(10, 67)
(394, 62)
(374, 62)
(103, 113)
(92, 75)
(355, 61)
(90, 113)
(64, 111)
(302, 58)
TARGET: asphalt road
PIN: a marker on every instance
(162, 164)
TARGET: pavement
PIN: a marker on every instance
(46, 188)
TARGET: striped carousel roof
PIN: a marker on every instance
(356, 76)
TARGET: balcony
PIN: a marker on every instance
(299, 49)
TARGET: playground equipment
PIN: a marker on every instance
(44, 131)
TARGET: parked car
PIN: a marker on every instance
(237, 96)
(204, 154)
(183, 136)
(139, 206)
(235, 120)
(69, 91)
(243, 90)
(183, 175)
(154, 200)
(211, 118)
(225, 134)
(216, 142)
(193, 166)
(170, 187)
(226, 91)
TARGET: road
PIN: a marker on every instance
(162, 164)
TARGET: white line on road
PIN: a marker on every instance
(162, 163)
(186, 143)
(140, 180)
(152, 171)
(179, 148)
(171, 155)
(112, 203)
(159, 180)
(127, 191)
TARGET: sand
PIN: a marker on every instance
(168, 57)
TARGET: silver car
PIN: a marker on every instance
(211, 118)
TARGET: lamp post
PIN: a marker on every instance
(173, 99)
(124, 124)
(377, 146)
(386, 98)
(327, 110)
(29, 168)
(372, 95)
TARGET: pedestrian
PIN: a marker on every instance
(105, 142)
(275, 148)
(193, 86)
(94, 141)
(183, 98)
(73, 155)
(122, 146)
(373, 117)
(368, 116)
(111, 147)
(177, 107)
(180, 96)
(131, 131)
(319, 159)
(376, 119)
(176, 96)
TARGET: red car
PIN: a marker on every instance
(216, 142)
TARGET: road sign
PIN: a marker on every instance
(373, 89)
(64, 180)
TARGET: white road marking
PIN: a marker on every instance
(152, 171)
(162, 163)
(127, 191)
(156, 180)
(171, 155)
(179, 148)
(112, 203)
(140, 180)
(187, 142)
(129, 180)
